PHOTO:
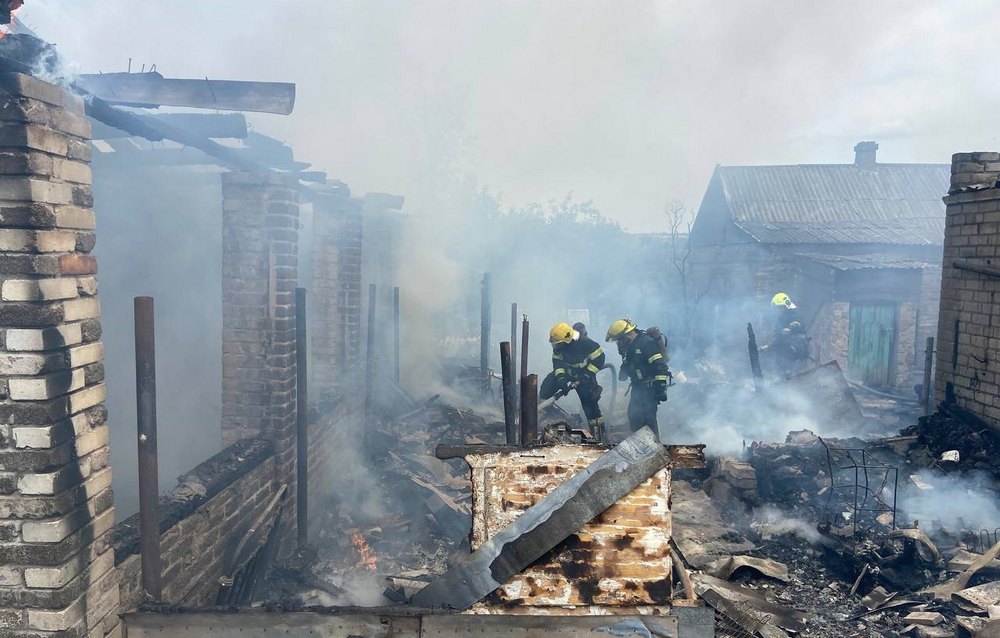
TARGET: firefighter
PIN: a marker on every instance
(644, 363)
(789, 343)
(576, 360)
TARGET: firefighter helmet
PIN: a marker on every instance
(563, 333)
(619, 328)
(782, 300)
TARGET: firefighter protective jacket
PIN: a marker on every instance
(581, 357)
(644, 361)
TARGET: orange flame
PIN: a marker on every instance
(368, 557)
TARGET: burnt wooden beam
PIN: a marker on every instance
(562, 512)
(681, 456)
(144, 126)
(152, 90)
(223, 125)
(982, 269)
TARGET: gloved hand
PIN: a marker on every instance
(660, 391)
(623, 373)
(566, 384)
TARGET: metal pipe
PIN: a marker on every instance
(395, 329)
(301, 420)
(484, 332)
(149, 492)
(529, 410)
(926, 394)
(513, 355)
(524, 349)
(507, 370)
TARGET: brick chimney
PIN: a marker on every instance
(864, 154)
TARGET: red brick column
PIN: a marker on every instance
(57, 573)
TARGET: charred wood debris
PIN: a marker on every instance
(806, 536)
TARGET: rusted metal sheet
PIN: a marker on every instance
(602, 480)
(621, 558)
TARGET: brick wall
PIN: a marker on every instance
(328, 443)
(57, 573)
(619, 559)
(335, 306)
(196, 529)
(970, 301)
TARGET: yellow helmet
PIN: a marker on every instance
(619, 328)
(782, 299)
(563, 333)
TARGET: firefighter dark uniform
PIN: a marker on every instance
(790, 343)
(576, 363)
(646, 367)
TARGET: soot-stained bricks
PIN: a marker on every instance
(57, 574)
(968, 343)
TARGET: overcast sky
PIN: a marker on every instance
(627, 103)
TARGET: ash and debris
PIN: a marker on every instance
(763, 532)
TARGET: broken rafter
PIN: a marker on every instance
(152, 90)
(222, 125)
(544, 525)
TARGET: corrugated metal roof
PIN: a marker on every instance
(839, 203)
(865, 262)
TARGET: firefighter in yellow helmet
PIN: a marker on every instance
(645, 365)
(790, 344)
(576, 360)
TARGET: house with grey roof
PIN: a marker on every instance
(857, 246)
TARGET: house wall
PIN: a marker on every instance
(968, 342)
(196, 530)
(57, 574)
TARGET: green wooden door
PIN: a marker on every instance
(871, 342)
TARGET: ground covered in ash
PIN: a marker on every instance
(815, 589)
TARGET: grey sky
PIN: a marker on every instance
(627, 103)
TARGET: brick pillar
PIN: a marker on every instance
(336, 290)
(970, 297)
(260, 221)
(57, 574)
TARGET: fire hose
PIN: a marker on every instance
(561, 392)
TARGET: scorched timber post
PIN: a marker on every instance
(149, 493)
(301, 421)
(529, 410)
(758, 376)
(513, 355)
(926, 392)
(507, 370)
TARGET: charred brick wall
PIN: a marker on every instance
(968, 343)
(210, 511)
(620, 559)
(57, 574)
(335, 344)
(260, 219)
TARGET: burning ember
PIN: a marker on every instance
(368, 558)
